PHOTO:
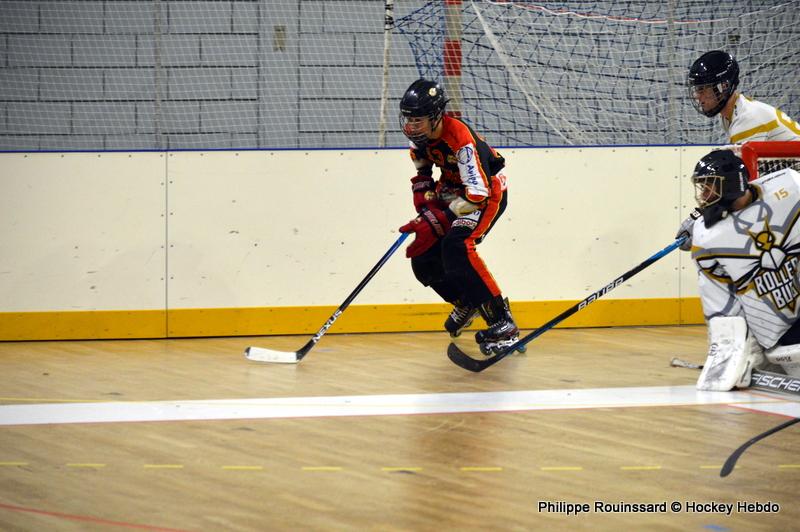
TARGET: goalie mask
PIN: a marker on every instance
(720, 178)
(713, 79)
(424, 99)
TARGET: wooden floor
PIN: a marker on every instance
(452, 471)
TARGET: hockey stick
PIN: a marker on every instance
(259, 354)
(730, 463)
(463, 360)
(680, 363)
(759, 379)
(774, 382)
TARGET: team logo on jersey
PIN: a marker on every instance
(763, 240)
(465, 155)
(779, 284)
(777, 273)
(466, 160)
(772, 256)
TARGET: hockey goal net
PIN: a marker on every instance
(601, 73)
(764, 157)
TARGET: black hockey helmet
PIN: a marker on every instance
(717, 71)
(424, 98)
(720, 178)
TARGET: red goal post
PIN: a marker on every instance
(763, 157)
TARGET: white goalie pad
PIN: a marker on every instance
(786, 356)
(732, 355)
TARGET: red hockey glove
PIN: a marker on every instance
(431, 225)
(423, 188)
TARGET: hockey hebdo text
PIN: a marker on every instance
(663, 507)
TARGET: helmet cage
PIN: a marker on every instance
(423, 100)
(717, 71)
(722, 93)
(708, 189)
(719, 179)
(408, 122)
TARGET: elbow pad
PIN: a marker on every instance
(462, 207)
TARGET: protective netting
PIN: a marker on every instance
(169, 74)
(237, 74)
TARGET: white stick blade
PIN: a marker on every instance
(259, 354)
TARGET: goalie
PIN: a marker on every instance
(746, 247)
(455, 214)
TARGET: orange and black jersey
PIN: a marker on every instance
(468, 164)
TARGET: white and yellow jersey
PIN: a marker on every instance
(753, 120)
(749, 262)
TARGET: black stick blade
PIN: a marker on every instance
(730, 463)
(461, 359)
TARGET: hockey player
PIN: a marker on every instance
(713, 87)
(747, 251)
(455, 213)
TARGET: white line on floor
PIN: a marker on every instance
(386, 405)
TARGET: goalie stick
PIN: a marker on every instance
(774, 382)
(730, 463)
(260, 354)
(759, 379)
(463, 360)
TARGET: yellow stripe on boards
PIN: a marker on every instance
(77, 325)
